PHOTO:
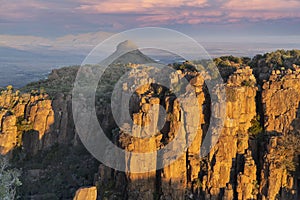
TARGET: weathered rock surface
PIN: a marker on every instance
(232, 169)
(281, 100)
(9, 133)
(244, 164)
(34, 121)
(225, 158)
(86, 194)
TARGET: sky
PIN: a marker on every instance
(45, 34)
(61, 17)
(40, 22)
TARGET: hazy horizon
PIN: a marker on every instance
(20, 67)
(37, 36)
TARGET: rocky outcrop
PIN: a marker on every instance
(281, 99)
(8, 123)
(247, 184)
(34, 121)
(278, 174)
(148, 104)
(86, 194)
(191, 176)
(9, 132)
(255, 157)
(225, 158)
(240, 166)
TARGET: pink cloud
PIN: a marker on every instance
(156, 12)
(18, 9)
(25, 9)
(259, 16)
(137, 6)
(257, 10)
(259, 5)
(182, 17)
(161, 12)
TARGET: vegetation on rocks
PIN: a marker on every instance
(249, 161)
(9, 180)
(286, 152)
(57, 172)
(256, 127)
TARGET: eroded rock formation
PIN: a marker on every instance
(255, 157)
(244, 164)
(86, 194)
(34, 121)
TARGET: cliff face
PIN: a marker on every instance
(34, 121)
(244, 164)
(228, 156)
(86, 193)
(171, 181)
(255, 157)
(37, 133)
(280, 98)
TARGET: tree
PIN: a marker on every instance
(9, 180)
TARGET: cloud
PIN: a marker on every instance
(260, 16)
(14, 9)
(115, 15)
(257, 10)
(137, 6)
(182, 17)
(79, 43)
(259, 5)
(32, 9)
(161, 12)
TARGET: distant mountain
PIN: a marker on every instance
(133, 55)
(80, 42)
(61, 80)
(19, 67)
(8, 52)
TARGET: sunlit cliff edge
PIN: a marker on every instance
(256, 157)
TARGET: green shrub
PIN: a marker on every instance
(9, 180)
(287, 150)
(256, 127)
